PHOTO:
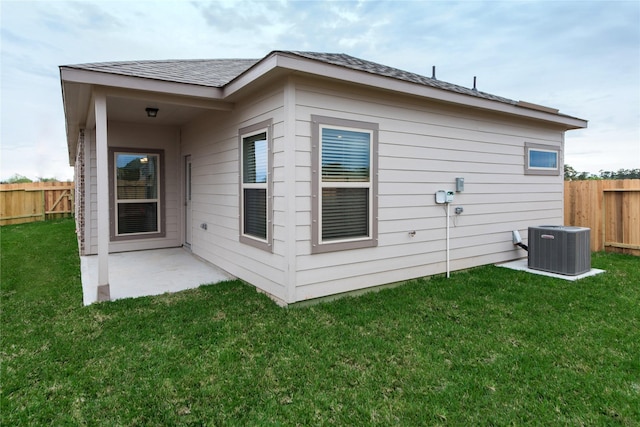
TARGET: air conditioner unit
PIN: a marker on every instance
(560, 249)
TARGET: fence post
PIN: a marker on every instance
(44, 205)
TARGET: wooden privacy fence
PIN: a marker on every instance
(610, 208)
(35, 201)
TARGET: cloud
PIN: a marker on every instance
(250, 26)
(580, 57)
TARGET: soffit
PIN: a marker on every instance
(129, 105)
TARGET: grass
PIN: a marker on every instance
(488, 346)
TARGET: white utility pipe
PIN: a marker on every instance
(447, 240)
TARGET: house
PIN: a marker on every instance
(306, 174)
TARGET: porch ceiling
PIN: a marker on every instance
(128, 104)
(134, 111)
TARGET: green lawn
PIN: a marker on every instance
(489, 346)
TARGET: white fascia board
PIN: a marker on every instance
(314, 67)
(252, 74)
(76, 104)
(186, 101)
(138, 83)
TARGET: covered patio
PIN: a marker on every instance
(148, 272)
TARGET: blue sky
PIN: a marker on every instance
(582, 57)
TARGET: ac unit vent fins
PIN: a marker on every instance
(560, 249)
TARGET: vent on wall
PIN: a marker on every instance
(560, 249)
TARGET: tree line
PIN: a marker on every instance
(570, 174)
(21, 179)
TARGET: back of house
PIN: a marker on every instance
(307, 174)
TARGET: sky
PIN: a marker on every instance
(581, 57)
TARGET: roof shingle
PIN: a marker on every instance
(354, 63)
(219, 72)
(202, 72)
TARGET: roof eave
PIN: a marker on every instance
(77, 84)
(280, 62)
(75, 99)
(74, 75)
(294, 63)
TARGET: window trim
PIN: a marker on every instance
(113, 203)
(537, 170)
(246, 132)
(317, 245)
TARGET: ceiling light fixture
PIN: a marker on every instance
(151, 112)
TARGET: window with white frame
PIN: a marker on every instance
(137, 193)
(255, 183)
(344, 184)
(541, 159)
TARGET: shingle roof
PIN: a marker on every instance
(354, 63)
(202, 72)
(219, 72)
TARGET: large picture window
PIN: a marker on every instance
(344, 184)
(137, 194)
(541, 159)
(255, 218)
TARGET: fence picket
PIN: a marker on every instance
(36, 201)
(610, 208)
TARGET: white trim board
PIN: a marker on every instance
(522, 265)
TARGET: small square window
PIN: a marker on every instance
(541, 159)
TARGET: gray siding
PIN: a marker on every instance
(212, 142)
(423, 148)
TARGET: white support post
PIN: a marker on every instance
(102, 166)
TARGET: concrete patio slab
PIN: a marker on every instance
(151, 272)
(523, 265)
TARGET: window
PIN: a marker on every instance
(541, 159)
(255, 183)
(344, 187)
(137, 190)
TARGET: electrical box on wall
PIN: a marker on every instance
(444, 196)
(449, 197)
(459, 185)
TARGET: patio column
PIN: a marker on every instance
(102, 178)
